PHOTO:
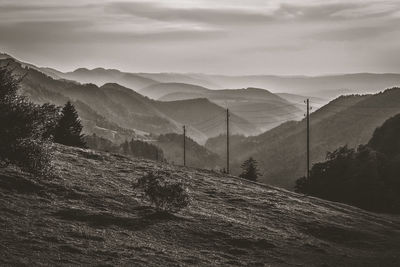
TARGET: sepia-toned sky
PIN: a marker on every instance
(310, 37)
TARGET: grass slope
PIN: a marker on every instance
(88, 215)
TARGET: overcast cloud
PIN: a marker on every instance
(229, 37)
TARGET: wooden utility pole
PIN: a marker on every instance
(308, 138)
(184, 145)
(227, 140)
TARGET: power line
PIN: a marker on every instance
(352, 106)
(207, 120)
(289, 113)
(215, 125)
(267, 122)
(262, 110)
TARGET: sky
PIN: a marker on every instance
(235, 37)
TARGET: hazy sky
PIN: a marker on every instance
(213, 36)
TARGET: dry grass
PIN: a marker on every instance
(88, 215)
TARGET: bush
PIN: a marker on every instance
(22, 129)
(162, 194)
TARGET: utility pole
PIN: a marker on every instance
(308, 138)
(184, 145)
(227, 141)
(156, 153)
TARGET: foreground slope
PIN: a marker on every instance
(88, 215)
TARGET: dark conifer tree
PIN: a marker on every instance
(69, 128)
(250, 170)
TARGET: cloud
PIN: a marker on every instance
(201, 35)
(159, 12)
(283, 12)
(358, 33)
(82, 32)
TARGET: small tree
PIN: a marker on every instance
(69, 128)
(250, 170)
(162, 193)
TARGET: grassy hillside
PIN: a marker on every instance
(281, 151)
(89, 215)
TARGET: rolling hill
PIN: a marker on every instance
(120, 109)
(89, 214)
(325, 86)
(204, 118)
(100, 76)
(159, 90)
(258, 106)
(328, 86)
(281, 151)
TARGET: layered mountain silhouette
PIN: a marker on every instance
(258, 106)
(113, 110)
(326, 87)
(281, 151)
(100, 76)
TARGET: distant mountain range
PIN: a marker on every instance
(326, 87)
(281, 152)
(260, 107)
(100, 76)
(117, 113)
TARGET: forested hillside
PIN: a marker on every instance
(281, 151)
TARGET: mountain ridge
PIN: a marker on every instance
(347, 120)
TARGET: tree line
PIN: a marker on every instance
(366, 177)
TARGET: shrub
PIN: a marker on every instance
(162, 194)
(22, 129)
